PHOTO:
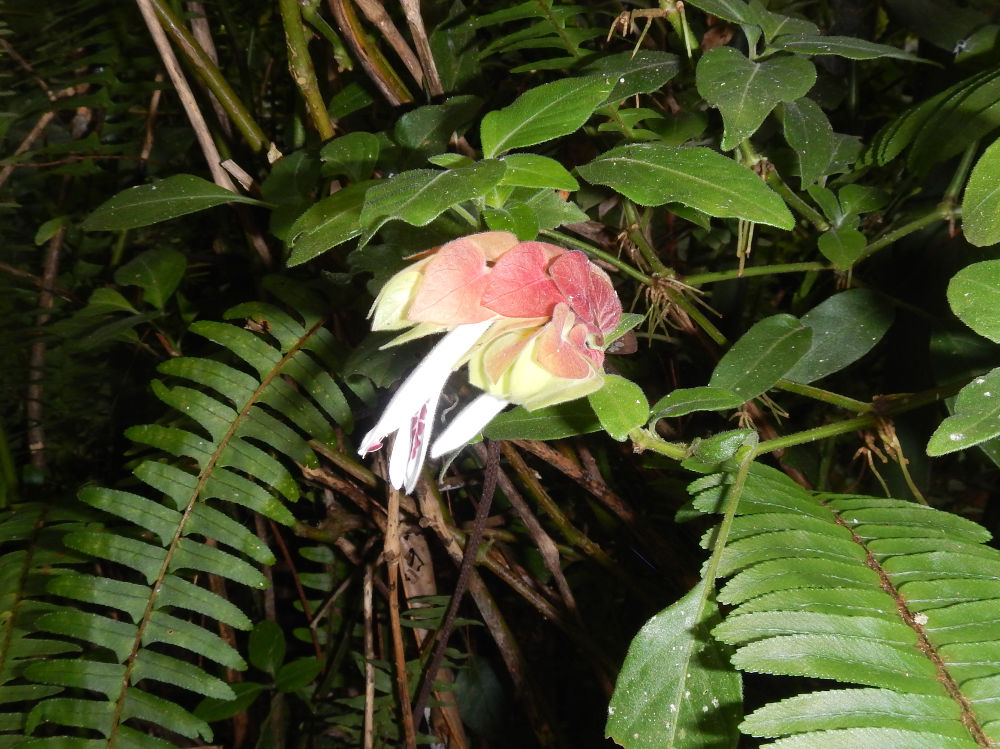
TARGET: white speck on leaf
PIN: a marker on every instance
(955, 436)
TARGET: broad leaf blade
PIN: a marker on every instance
(844, 328)
(981, 202)
(653, 174)
(974, 295)
(543, 113)
(745, 92)
(809, 132)
(157, 272)
(620, 405)
(676, 688)
(168, 198)
(762, 356)
(688, 400)
(976, 418)
(844, 46)
(553, 422)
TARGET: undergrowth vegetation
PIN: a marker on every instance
(770, 525)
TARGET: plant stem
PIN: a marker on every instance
(958, 179)
(810, 214)
(938, 213)
(644, 439)
(607, 257)
(745, 455)
(210, 73)
(834, 399)
(695, 314)
(699, 279)
(637, 236)
(301, 67)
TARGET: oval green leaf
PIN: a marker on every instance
(974, 296)
(620, 405)
(688, 400)
(745, 92)
(809, 132)
(331, 221)
(554, 422)
(762, 356)
(844, 328)
(845, 46)
(676, 687)
(981, 202)
(156, 272)
(543, 113)
(168, 198)
(653, 174)
(976, 418)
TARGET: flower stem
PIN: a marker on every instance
(937, 213)
(834, 399)
(301, 67)
(636, 234)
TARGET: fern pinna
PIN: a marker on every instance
(894, 596)
(149, 625)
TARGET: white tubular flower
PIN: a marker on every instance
(470, 421)
(410, 413)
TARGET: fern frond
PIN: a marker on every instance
(238, 427)
(895, 597)
(32, 551)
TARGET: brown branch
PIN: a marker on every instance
(367, 596)
(375, 12)
(391, 553)
(374, 64)
(416, 23)
(202, 34)
(28, 142)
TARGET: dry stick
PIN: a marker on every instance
(391, 553)
(36, 356)
(375, 65)
(35, 280)
(367, 595)
(546, 546)
(375, 13)
(510, 651)
(303, 598)
(202, 33)
(186, 96)
(416, 23)
(154, 108)
(473, 540)
(28, 142)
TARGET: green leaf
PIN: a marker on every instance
(976, 418)
(105, 300)
(516, 218)
(745, 92)
(676, 688)
(156, 272)
(431, 126)
(212, 709)
(543, 113)
(736, 11)
(844, 328)
(532, 170)
(352, 155)
(331, 221)
(683, 401)
(165, 199)
(620, 405)
(634, 73)
(421, 195)
(842, 245)
(809, 132)
(981, 202)
(297, 674)
(762, 356)
(844, 46)
(553, 422)
(974, 296)
(653, 174)
(267, 646)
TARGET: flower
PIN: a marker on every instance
(529, 319)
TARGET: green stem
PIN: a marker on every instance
(745, 455)
(958, 179)
(834, 399)
(637, 236)
(695, 314)
(938, 213)
(643, 439)
(310, 12)
(887, 406)
(210, 73)
(699, 279)
(301, 67)
(797, 204)
(607, 257)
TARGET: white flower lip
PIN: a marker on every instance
(410, 412)
(469, 422)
